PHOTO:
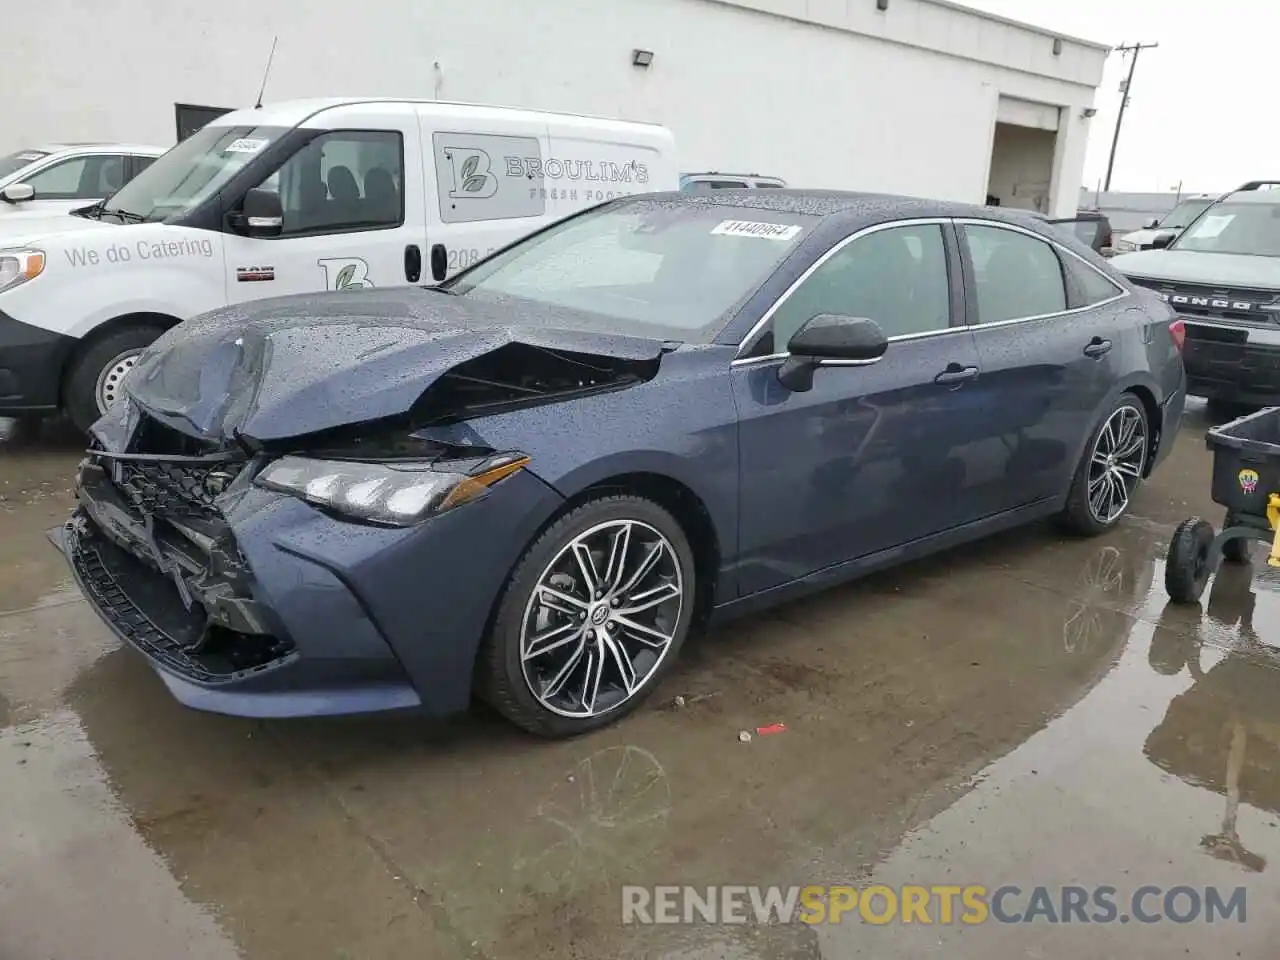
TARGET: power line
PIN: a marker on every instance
(1135, 49)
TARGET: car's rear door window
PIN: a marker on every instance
(1016, 275)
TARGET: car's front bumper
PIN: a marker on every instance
(307, 615)
(1233, 363)
(31, 364)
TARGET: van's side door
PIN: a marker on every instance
(486, 182)
(354, 210)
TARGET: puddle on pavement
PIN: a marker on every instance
(1027, 710)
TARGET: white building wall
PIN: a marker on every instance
(832, 93)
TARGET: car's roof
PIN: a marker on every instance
(871, 207)
(100, 147)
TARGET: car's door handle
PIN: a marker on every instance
(956, 374)
(412, 263)
(1097, 348)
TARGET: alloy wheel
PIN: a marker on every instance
(1115, 466)
(110, 386)
(602, 618)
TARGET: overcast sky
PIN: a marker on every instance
(1200, 108)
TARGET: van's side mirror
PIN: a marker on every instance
(18, 193)
(830, 336)
(263, 213)
(1152, 223)
(1161, 240)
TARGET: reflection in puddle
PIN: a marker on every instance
(610, 811)
(1110, 580)
(1223, 733)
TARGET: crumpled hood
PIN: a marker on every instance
(287, 367)
(1212, 269)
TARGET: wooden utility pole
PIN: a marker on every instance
(1135, 49)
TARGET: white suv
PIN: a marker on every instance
(59, 177)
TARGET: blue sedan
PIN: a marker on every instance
(531, 482)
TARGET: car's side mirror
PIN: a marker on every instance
(830, 336)
(18, 193)
(1152, 223)
(263, 213)
(1161, 240)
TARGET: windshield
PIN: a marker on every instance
(1184, 213)
(1246, 228)
(650, 268)
(191, 172)
(16, 161)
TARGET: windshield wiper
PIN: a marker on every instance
(124, 215)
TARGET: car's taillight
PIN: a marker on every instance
(1178, 330)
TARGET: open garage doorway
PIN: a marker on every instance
(1022, 155)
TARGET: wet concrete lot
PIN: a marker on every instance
(1027, 711)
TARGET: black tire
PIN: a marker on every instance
(1186, 568)
(1236, 551)
(1077, 516)
(499, 671)
(80, 388)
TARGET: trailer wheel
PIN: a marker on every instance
(1238, 551)
(1186, 569)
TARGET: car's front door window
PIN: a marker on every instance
(895, 276)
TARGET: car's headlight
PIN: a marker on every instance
(19, 266)
(1124, 246)
(394, 494)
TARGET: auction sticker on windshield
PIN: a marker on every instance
(245, 145)
(753, 228)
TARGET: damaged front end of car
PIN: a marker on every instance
(169, 540)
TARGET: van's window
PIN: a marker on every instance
(80, 178)
(16, 161)
(191, 172)
(341, 181)
(640, 268)
(483, 176)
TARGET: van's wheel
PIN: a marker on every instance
(592, 618)
(1110, 470)
(96, 377)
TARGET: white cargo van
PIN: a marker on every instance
(291, 198)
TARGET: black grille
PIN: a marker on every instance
(1231, 303)
(169, 488)
(182, 641)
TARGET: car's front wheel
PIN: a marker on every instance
(1110, 470)
(592, 617)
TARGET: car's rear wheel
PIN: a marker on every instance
(96, 378)
(592, 618)
(1110, 470)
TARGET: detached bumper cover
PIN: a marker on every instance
(31, 364)
(311, 615)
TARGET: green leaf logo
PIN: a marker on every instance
(344, 277)
(469, 168)
(473, 184)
